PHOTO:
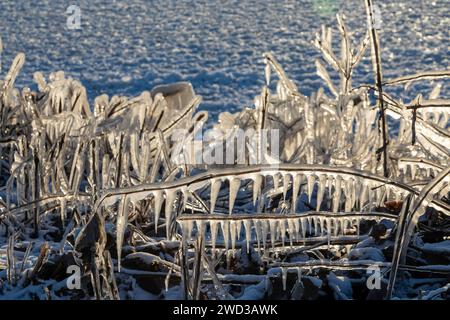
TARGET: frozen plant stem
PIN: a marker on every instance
(376, 61)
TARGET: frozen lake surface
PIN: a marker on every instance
(125, 48)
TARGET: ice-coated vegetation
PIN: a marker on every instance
(363, 182)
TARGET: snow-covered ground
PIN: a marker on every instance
(127, 47)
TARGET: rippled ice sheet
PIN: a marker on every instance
(125, 48)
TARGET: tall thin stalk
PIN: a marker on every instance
(376, 61)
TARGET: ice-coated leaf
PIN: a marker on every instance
(14, 70)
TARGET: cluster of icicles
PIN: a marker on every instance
(280, 229)
(342, 197)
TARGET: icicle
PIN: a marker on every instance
(184, 228)
(353, 194)
(316, 226)
(273, 231)
(282, 224)
(389, 193)
(257, 187)
(303, 224)
(265, 231)
(284, 272)
(381, 194)
(321, 190)
(201, 227)
(299, 274)
(358, 190)
(276, 180)
(330, 180)
(295, 189)
(310, 225)
(63, 211)
(233, 234)
(344, 226)
(185, 193)
(286, 182)
(321, 221)
(370, 196)
(258, 231)
(238, 229)
(235, 183)
(413, 171)
(215, 188)
(248, 230)
(335, 226)
(328, 225)
(290, 230)
(213, 226)
(158, 200)
(311, 179)
(328, 241)
(337, 194)
(296, 223)
(225, 225)
(348, 195)
(357, 225)
(170, 199)
(228, 255)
